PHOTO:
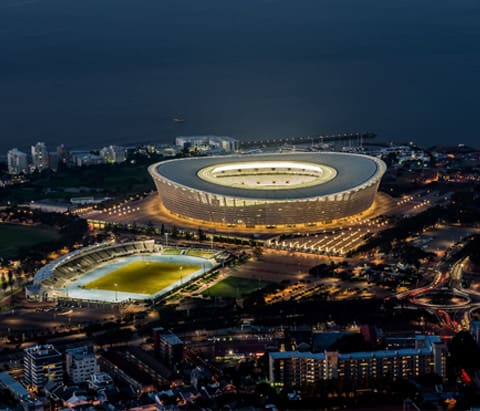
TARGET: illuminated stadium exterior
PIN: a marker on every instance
(268, 190)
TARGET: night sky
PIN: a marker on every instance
(90, 72)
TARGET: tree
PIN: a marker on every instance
(174, 232)
(4, 283)
(10, 280)
(257, 251)
(322, 270)
(150, 227)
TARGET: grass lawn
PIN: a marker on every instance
(234, 287)
(204, 254)
(143, 277)
(16, 236)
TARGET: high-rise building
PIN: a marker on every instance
(294, 368)
(81, 363)
(62, 154)
(53, 161)
(113, 154)
(40, 156)
(42, 363)
(207, 143)
(17, 161)
(167, 346)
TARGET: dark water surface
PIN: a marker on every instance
(93, 72)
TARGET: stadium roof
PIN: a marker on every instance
(353, 170)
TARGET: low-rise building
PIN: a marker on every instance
(42, 363)
(81, 363)
(167, 346)
(100, 381)
(15, 388)
(84, 158)
(118, 365)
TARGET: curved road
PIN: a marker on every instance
(448, 279)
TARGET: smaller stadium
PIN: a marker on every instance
(117, 273)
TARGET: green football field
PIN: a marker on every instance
(234, 287)
(143, 277)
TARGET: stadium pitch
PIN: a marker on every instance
(143, 277)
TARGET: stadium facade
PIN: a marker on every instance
(268, 190)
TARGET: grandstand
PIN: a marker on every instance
(65, 269)
(66, 276)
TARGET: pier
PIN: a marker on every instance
(317, 139)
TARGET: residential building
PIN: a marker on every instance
(168, 348)
(42, 363)
(117, 364)
(17, 162)
(53, 161)
(40, 156)
(113, 154)
(294, 368)
(62, 154)
(207, 143)
(100, 381)
(85, 158)
(81, 363)
(19, 393)
(159, 373)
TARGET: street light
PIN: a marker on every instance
(116, 292)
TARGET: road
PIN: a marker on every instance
(457, 313)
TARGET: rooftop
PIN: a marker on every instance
(352, 170)
(429, 341)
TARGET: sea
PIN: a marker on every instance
(88, 73)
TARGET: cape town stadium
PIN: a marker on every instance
(268, 190)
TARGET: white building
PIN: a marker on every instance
(85, 158)
(17, 161)
(42, 364)
(207, 143)
(81, 363)
(40, 157)
(113, 154)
